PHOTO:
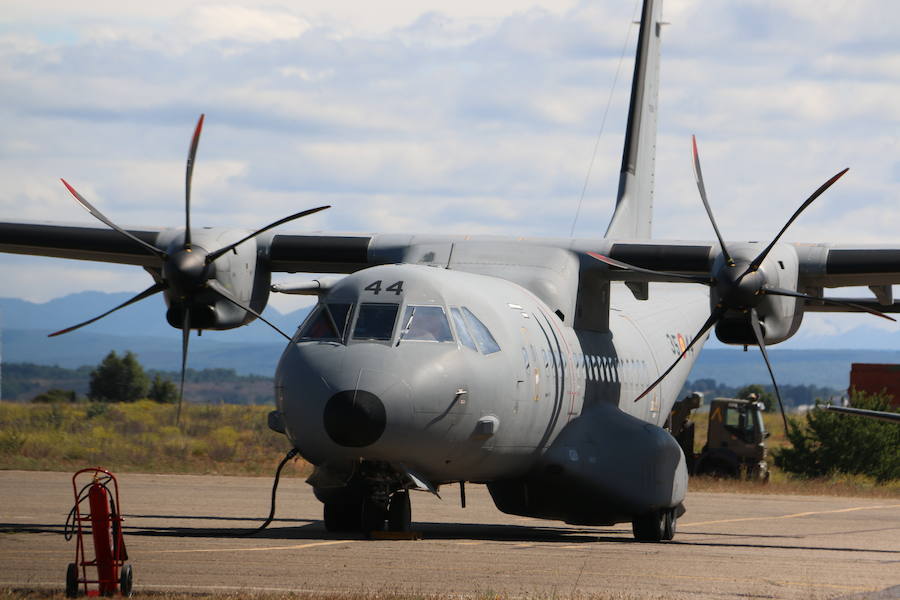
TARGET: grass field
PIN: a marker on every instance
(141, 437)
(235, 440)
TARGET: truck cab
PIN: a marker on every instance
(735, 445)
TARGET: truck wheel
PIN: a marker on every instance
(649, 527)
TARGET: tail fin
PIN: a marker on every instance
(634, 205)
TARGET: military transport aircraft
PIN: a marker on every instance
(544, 368)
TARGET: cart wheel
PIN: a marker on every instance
(126, 579)
(72, 581)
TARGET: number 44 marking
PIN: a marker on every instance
(375, 287)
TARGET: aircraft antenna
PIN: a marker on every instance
(587, 176)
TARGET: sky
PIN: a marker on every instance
(436, 116)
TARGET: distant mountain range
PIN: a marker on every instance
(255, 349)
(141, 328)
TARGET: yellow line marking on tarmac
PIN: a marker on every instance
(791, 516)
(257, 549)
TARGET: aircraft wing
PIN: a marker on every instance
(818, 265)
(77, 241)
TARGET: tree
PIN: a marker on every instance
(831, 442)
(163, 390)
(767, 398)
(118, 379)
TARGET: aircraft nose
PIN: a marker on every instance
(354, 418)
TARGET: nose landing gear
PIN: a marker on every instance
(367, 514)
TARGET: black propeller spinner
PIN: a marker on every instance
(739, 287)
(187, 272)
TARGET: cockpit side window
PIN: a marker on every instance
(462, 331)
(375, 321)
(486, 342)
(318, 326)
(340, 313)
(425, 324)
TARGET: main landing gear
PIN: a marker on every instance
(656, 526)
(367, 514)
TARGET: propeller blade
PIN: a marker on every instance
(712, 320)
(185, 340)
(625, 266)
(762, 255)
(859, 307)
(153, 289)
(192, 154)
(214, 255)
(698, 175)
(757, 331)
(100, 216)
(220, 289)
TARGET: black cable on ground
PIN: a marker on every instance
(291, 454)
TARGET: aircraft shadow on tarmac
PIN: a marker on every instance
(306, 529)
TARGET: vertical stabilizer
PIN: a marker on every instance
(634, 205)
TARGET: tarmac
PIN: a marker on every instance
(189, 533)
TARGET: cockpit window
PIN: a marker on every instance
(340, 313)
(319, 326)
(465, 338)
(486, 342)
(425, 324)
(375, 321)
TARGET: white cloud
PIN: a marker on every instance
(424, 115)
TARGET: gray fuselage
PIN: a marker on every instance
(455, 413)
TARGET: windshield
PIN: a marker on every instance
(425, 324)
(375, 321)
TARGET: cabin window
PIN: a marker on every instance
(325, 322)
(425, 324)
(483, 338)
(465, 338)
(375, 321)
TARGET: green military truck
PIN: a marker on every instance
(735, 441)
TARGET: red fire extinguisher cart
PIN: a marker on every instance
(105, 519)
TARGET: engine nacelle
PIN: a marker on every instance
(238, 271)
(780, 316)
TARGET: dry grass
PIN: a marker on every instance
(141, 437)
(235, 440)
(780, 483)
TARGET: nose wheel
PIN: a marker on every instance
(399, 512)
(366, 514)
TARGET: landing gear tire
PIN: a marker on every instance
(399, 512)
(669, 524)
(650, 527)
(72, 581)
(340, 517)
(373, 516)
(126, 581)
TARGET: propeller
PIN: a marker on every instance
(185, 272)
(740, 286)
